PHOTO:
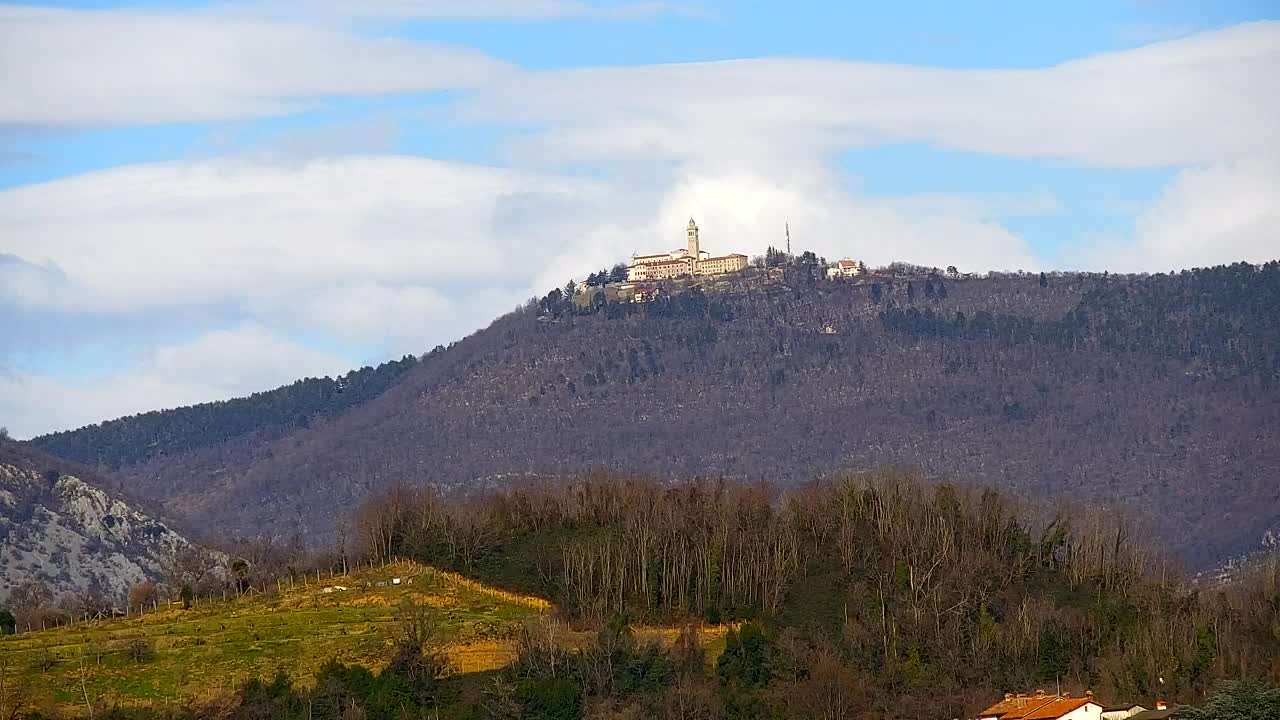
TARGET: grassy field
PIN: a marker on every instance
(213, 647)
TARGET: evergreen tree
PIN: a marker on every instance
(1237, 700)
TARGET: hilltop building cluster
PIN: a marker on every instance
(690, 260)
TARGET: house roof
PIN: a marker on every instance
(730, 256)
(847, 263)
(1153, 714)
(1014, 707)
(1059, 707)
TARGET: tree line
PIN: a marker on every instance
(917, 591)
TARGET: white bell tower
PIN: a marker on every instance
(693, 239)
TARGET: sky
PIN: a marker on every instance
(203, 200)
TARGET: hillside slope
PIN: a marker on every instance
(219, 643)
(1153, 394)
(72, 536)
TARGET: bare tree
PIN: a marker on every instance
(142, 594)
(31, 600)
(190, 566)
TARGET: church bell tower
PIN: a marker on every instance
(693, 239)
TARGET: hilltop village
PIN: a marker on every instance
(647, 277)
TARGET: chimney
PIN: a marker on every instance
(1008, 696)
(1088, 693)
(1039, 692)
(1160, 705)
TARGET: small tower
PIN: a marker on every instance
(693, 239)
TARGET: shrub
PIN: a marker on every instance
(139, 650)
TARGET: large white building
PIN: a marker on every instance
(687, 261)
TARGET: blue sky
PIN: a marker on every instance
(199, 200)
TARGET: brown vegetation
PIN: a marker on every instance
(893, 590)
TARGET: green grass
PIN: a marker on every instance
(213, 647)
(210, 649)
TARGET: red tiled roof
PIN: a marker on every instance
(1058, 708)
(847, 263)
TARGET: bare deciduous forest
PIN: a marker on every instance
(931, 597)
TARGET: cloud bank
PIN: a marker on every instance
(77, 67)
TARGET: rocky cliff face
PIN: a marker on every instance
(56, 528)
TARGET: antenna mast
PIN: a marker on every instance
(788, 238)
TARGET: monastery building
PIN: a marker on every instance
(686, 261)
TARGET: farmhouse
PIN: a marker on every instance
(687, 261)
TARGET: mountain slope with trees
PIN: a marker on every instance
(1151, 395)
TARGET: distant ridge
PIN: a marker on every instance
(138, 438)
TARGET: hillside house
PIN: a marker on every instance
(690, 260)
(845, 269)
(1042, 706)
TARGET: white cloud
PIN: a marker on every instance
(744, 210)
(222, 231)
(216, 365)
(1198, 99)
(67, 67)
(341, 242)
(1209, 215)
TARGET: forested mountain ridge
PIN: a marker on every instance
(137, 438)
(1149, 394)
